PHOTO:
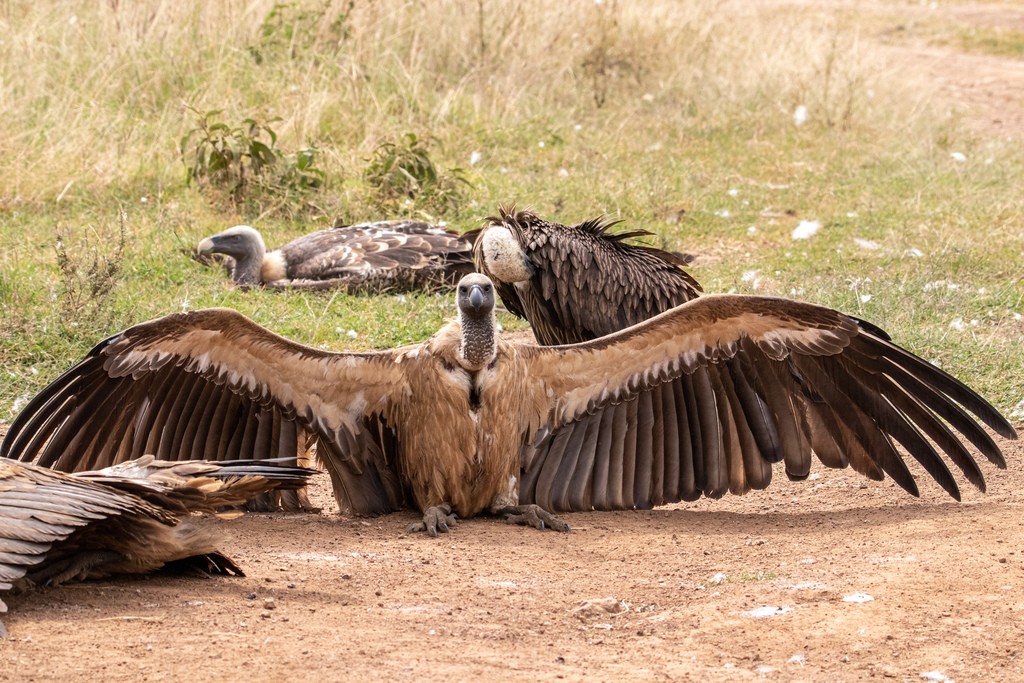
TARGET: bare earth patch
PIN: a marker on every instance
(830, 579)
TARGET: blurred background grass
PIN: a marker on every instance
(129, 131)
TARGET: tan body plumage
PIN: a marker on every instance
(129, 519)
(450, 421)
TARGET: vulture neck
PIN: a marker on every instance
(249, 265)
(479, 343)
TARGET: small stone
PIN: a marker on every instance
(269, 603)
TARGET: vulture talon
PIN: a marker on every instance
(535, 516)
(435, 518)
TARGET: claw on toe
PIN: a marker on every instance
(535, 516)
(435, 518)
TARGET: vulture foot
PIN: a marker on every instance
(435, 518)
(74, 568)
(533, 515)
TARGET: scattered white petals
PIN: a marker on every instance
(806, 230)
(578, 126)
(540, 144)
(143, 200)
(936, 676)
(798, 658)
(718, 578)
(915, 252)
(857, 597)
(982, 290)
(939, 284)
(958, 156)
(958, 324)
(723, 213)
(352, 334)
(870, 245)
(864, 298)
(768, 611)
(752, 230)
(732, 192)
(72, 20)
(475, 158)
(1017, 316)
(851, 214)
(564, 172)
(800, 115)
(400, 298)
(653, 148)
(648, 97)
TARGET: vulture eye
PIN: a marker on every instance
(462, 290)
(487, 288)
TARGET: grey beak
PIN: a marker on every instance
(206, 246)
(476, 297)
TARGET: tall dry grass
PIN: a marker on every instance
(94, 94)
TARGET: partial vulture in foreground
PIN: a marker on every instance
(133, 518)
(443, 425)
(386, 256)
(719, 426)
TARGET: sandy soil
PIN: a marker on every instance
(828, 580)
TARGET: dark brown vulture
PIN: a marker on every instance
(392, 256)
(133, 518)
(443, 425)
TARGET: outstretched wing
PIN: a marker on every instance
(761, 380)
(387, 255)
(214, 385)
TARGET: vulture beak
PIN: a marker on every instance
(206, 246)
(476, 297)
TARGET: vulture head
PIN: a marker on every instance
(503, 256)
(245, 246)
(475, 299)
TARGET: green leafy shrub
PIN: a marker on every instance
(243, 165)
(403, 173)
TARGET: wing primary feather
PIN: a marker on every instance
(712, 448)
(643, 481)
(602, 453)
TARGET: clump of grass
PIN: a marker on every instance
(89, 272)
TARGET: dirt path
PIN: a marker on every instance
(832, 579)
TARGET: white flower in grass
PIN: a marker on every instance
(564, 172)
(958, 324)
(800, 115)
(914, 251)
(475, 158)
(864, 298)
(352, 334)
(732, 192)
(870, 245)
(958, 156)
(723, 213)
(806, 230)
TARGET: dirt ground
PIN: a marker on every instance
(834, 579)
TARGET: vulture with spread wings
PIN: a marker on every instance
(385, 256)
(132, 518)
(443, 425)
